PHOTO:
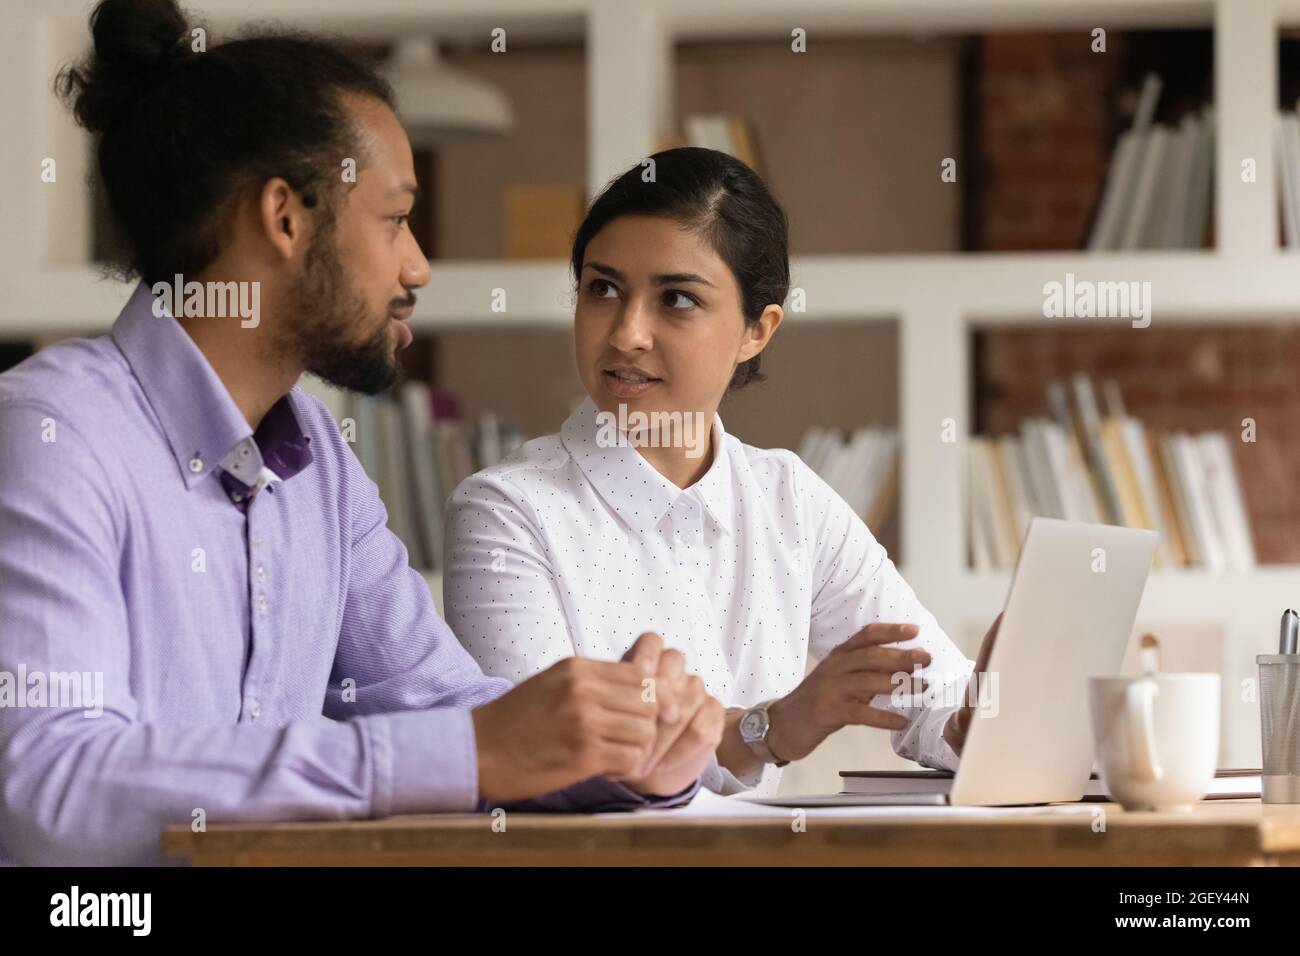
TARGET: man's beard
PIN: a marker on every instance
(329, 312)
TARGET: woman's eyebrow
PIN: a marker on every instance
(605, 270)
(668, 278)
(672, 278)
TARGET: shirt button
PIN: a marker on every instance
(261, 602)
(261, 574)
(196, 465)
(236, 497)
(255, 708)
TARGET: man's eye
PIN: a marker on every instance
(400, 219)
(679, 300)
(599, 288)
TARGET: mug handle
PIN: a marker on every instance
(1140, 723)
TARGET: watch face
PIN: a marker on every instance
(753, 726)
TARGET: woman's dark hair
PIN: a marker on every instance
(721, 199)
(181, 133)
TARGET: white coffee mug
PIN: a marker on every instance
(1157, 738)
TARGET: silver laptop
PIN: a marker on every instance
(1068, 617)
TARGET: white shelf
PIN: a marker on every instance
(994, 289)
(732, 18)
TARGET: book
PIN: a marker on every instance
(1163, 197)
(1228, 783)
(366, 447)
(1201, 190)
(1015, 470)
(1132, 508)
(1126, 163)
(1132, 436)
(1223, 491)
(416, 458)
(727, 133)
(1192, 481)
(1159, 182)
(1287, 169)
(1112, 469)
(1100, 467)
(1118, 190)
(1171, 232)
(1044, 489)
(428, 495)
(394, 480)
(1150, 174)
(541, 219)
(862, 470)
(996, 537)
(1175, 540)
(886, 498)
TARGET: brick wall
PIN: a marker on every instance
(1191, 378)
(1044, 129)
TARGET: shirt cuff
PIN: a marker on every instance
(936, 752)
(722, 781)
(596, 795)
(629, 799)
(425, 761)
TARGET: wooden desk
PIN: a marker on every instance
(1218, 833)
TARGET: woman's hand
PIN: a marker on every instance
(839, 691)
(959, 723)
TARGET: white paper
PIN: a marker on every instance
(708, 804)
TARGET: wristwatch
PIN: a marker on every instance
(755, 725)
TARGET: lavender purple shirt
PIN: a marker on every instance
(224, 626)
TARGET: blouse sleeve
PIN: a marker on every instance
(854, 583)
(502, 600)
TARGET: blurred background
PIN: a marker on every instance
(940, 162)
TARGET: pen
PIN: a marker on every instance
(1290, 625)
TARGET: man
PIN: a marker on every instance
(193, 565)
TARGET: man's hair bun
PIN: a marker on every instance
(136, 43)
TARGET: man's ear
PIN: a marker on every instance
(759, 333)
(282, 217)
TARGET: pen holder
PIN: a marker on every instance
(1279, 715)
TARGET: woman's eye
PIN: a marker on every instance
(599, 288)
(679, 300)
(400, 219)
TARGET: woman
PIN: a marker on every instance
(644, 514)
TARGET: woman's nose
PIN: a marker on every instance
(631, 332)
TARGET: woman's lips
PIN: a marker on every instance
(627, 385)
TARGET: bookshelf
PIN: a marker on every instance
(933, 299)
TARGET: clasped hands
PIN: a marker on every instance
(642, 721)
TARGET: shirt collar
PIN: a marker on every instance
(277, 451)
(631, 486)
(199, 419)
